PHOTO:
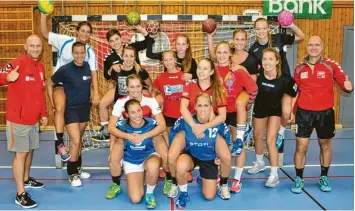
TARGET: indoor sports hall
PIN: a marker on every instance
(164, 21)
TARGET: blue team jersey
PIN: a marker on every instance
(137, 153)
(202, 149)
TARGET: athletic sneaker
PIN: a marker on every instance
(83, 174)
(182, 200)
(258, 167)
(190, 178)
(174, 191)
(224, 192)
(279, 140)
(113, 191)
(248, 133)
(272, 181)
(236, 186)
(324, 184)
(75, 180)
(167, 186)
(32, 183)
(25, 200)
(237, 147)
(297, 185)
(150, 201)
(63, 152)
(102, 135)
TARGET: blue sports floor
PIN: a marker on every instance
(59, 195)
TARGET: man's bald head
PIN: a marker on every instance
(33, 46)
(315, 46)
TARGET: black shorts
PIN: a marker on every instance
(170, 121)
(208, 169)
(322, 121)
(77, 115)
(260, 112)
(231, 119)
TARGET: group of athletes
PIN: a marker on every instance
(193, 114)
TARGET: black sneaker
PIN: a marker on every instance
(25, 201)
(32, 183)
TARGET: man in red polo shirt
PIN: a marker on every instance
(25, 106)
(315, 77)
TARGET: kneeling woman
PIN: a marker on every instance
(199, 151)
(139, 155)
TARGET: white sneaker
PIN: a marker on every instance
(258, 167)
(174, 191)
(82, 174)
(224, 192)
(75, 180)
(272, 181)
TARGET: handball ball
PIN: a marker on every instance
(285, 18)
(46, 6)
(133, 18)
(209, 25)
(152, 27)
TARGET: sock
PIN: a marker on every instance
(324, 171)
(223, 181)
(168, 176)
(150, 188)
(240, 131)
(59, 136)
(116, 179)
(103, 123)
(72, 167)
(238, 173)
(299, 172)
(282, 131)
(260, 158)
(183, 188)
(274, 170)
(174, 181)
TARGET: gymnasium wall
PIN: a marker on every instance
(17, 21)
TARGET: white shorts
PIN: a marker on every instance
(134, 168)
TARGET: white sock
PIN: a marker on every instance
(183, 188)
(104, 123)
(282, 131)
(274, 170)
(238, 173)
(240, 131)
(150, 189)
(260, 158)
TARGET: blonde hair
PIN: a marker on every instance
(186, 63)
(136, 65)
(278, 58)
(218, 91)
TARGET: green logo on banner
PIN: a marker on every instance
(316, 9)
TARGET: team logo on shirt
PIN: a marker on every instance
(171, 89)
(304, 75)
(320, 74)
(86, 78)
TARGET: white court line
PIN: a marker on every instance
(105, 168)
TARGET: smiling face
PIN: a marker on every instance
(204, 70)
(33, 47)
(135, 113)
(269, 61)
(223, 54)
(169, 61)
(314, 47)
(262, 29)
(83, 34)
